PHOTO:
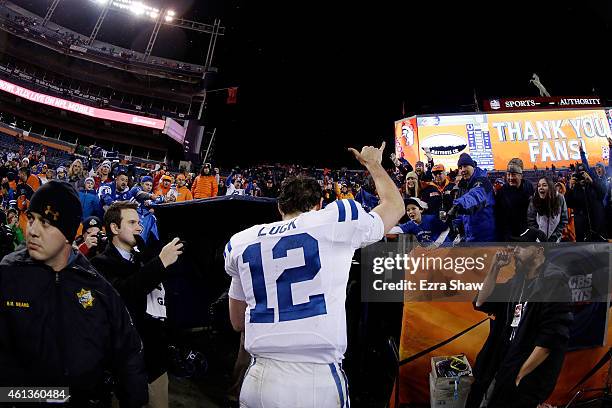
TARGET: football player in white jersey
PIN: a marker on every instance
(288, 289)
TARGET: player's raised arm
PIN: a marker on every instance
(391, 207)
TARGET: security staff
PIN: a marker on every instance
(61, 323)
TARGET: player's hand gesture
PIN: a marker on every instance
(369, 154)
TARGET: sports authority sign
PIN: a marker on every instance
(553, 102)
(80, 108)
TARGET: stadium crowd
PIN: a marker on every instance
(571, 204)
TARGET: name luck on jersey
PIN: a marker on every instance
(293, 274)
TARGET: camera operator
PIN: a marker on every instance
(137, 274)
(93, 240)
(474, 204)
(585, 196)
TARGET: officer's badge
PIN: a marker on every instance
(85, 298)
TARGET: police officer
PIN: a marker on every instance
(61, 323)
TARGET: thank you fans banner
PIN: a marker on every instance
(540, 138)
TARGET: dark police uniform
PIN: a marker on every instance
(68, 329)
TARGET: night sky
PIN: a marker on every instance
(316, 77)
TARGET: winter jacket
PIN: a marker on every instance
(569, 232)
(368, 201)
(430, 230)
(589, 213)
(134, 281)
(340, 195)
(108, 194)
(67, 328)
(34, 182)
(204, 187)
(552, 226)
(90, 204)
(475, 208)
(511, 205)
(543, 323)
(183, 194)
(438, 198)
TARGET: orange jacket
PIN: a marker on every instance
(161, 191)
(204, 187)
(33, 182)
(183, 194)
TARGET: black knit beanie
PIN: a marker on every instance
(58, 202)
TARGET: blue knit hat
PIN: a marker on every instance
(466, 160)
(146, 178)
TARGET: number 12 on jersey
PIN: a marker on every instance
(261, 313)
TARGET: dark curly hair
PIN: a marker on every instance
(299, 194)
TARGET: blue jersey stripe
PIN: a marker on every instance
(354, 213)
(341, 211)
(332, 367)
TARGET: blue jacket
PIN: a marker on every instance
(107, 193)
(475, 210)
(368, 201)
(428, 231)
(604, 179)
(90, 204)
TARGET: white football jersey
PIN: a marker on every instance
(293, 274)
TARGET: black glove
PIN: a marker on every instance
(453, 212)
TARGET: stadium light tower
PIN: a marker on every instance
(50, 12)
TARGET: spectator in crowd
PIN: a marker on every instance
(89, 245)
(329, 194)
(437, 194)
(269, 189)
(475, 202)
(9, 199)
(205, 185)
(367, 200)
(428, 229)
(90, 201)
(164, 187)
(97, 339)
(511, 202)
(159, 172)
(77, 175)
(253, 189)
(547, 210)
(235, 187)
(499, 183)
(183, 193)
(7, 237)
(137, 274)
(25, 176)
(103, 174)
(115, 191)
(412, 186)
(343, 191)
(520, 362)
(12, 219)
(61, 174)
(147, 201)
(49, 175)
(569, 232)
(585, 198)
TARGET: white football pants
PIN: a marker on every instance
(280, 384)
